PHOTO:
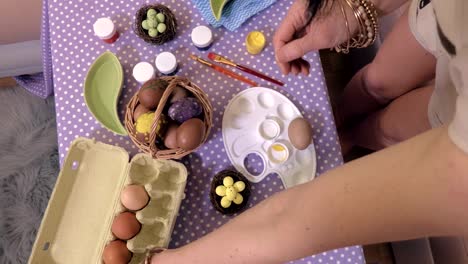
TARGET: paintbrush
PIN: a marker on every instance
(223, 70)
(218, 58)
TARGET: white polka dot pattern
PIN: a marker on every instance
(74, 48)
(41, 84)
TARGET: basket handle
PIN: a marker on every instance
(173, 82)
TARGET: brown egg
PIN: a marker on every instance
(170, 140)
(151, 92)
(300, 133)
(125, 226)
(139, 110)
(134, 197)
(178, 93)
(190, 134)
(116, 252)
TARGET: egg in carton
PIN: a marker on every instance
(86, 199)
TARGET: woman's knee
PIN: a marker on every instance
(376, 85)
(389, 133)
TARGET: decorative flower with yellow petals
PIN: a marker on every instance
(230, 192)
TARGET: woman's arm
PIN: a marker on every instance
(20, 21)
(416, 188)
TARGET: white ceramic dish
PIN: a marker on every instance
(254, 121)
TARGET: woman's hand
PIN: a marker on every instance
(296, 36)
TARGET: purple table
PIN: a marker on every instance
(74, 48)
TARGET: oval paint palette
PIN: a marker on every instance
(255, 134)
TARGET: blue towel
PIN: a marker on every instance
(235, 12)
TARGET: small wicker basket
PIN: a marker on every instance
(171, 24)
(152, 148)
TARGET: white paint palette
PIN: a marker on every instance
(255, 123)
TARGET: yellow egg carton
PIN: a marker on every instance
(77, 223)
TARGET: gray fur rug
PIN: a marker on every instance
(28, 169)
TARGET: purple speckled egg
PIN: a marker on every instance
(185, 109)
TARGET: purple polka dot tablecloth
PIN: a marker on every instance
(74, 48)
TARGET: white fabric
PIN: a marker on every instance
(449, 102)
(20, 58)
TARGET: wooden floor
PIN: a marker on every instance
(7, 82)
(338, 70)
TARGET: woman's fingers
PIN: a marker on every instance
(305, 67)
(295, 68)
(294, 49)
(293, 23)
(285, 67)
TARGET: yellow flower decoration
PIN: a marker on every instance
(230, 192)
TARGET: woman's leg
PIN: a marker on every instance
(403, 118)
(401, 65)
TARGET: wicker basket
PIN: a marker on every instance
(171, 25)
(151, 147)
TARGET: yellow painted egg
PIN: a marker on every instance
(228, 181)
(225, 202)
(240, 186)
(221, 190)
(238, 199)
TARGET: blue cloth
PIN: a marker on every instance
(235, 13)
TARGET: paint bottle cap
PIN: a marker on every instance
(166, 63)
(255, 42)
(202, 36)
(143, 72)
(104, 28)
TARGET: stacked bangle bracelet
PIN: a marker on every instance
(368, 27)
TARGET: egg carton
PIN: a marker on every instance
(165, 183)
(86, 198)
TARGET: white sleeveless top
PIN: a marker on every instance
(441, 26)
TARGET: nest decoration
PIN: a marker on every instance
(170, 21)
(216, 199)
(153, 146)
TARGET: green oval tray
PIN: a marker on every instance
(102, 88)
(217, 7)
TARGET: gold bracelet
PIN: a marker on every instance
(151, 253)
(342, 47)
(366, 17)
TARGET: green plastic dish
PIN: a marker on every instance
(102, 89)
(217, 7)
